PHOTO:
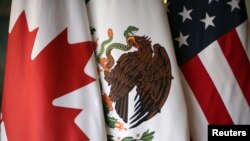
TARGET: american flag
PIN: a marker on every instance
(212, 45)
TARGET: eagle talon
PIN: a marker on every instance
(104, 62)
(106, 99)
(120, 126)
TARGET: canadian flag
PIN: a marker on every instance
(51, 92)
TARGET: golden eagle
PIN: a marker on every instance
(150, 71)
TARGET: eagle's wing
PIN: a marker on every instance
(122, 80)
(153, 87)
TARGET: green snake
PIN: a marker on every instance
(129, 31)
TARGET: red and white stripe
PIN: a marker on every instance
(217, 83)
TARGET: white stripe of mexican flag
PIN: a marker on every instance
(146, 17)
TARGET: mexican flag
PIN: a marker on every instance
(140, 82)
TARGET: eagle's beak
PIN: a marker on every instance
(132, 42)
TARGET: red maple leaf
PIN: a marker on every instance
(30, 86)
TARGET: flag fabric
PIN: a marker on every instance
(211, 41)
(51, 88)
(142, 93)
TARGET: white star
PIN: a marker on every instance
(185, 14)
(211, 1)
(182, 40)
(234, 4)
(208, 21)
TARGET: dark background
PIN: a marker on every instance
(4, 23)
